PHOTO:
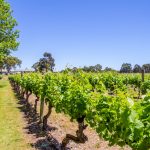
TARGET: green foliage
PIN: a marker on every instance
(135, 80)
(145, 86)
(113, 83)
(8, 34)
(97, 82)
(115, 119)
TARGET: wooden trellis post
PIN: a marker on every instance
(143, 72)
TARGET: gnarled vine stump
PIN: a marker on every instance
(80, 138)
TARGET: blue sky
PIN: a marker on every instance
(83, 32)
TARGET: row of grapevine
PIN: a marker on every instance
(85, 97)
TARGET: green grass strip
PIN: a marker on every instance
(11, 121)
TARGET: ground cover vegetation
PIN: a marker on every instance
(11, 124)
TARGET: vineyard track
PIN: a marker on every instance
(12, 135)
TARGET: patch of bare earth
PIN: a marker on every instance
(59, 126)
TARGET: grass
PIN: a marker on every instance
(11, 122)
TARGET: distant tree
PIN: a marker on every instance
(92, 68)
(109, 69)
(74, 69)
(8, 33)
(126, 68)
(85, 68)
(146, 68)
(11, 62)
(49, 61)
(137, 68)
(36, 66)
(96, 68)
(45, 64)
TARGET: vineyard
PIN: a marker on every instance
(115, 105)
(81, 80)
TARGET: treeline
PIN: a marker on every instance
(127, 68)
(96, 68)
(47, 63)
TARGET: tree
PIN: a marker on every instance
(96, 68)
(36, 66)
(11, 62)
(109, 69)
(8, 33)
(146, 68)
(92, 68)
(45, 64)
(86, 69)
(126, 68)
(49, 61)
(137, 68)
